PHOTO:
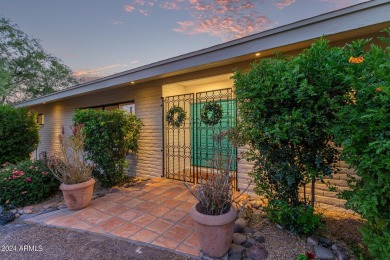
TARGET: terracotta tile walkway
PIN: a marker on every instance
(156, 213)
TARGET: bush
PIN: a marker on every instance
(18, 134)
(300, 220)
(364, 133)
(286, 106)
(26, 183)
(110, 136)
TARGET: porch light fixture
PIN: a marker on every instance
(132, 82)
(257, 54)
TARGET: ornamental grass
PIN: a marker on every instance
(69, 165)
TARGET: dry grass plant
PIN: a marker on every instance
(69, 165)
(215, 191)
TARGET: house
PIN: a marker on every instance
(191, 81)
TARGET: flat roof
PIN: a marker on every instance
(360, 16)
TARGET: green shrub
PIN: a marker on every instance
(300, 219)
(110, 136)
(286, 106)
(18, 134)
(26, 183)
(364, 133)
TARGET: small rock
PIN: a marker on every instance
(236, 249)
(339, 252)
(257, 252)
(249, 243)
(239, 238)
(325, 242)
(249, 230)
(235, 257)
(28, 211)
(29, 208)
(279, 226)
(239, 225)
(260, 239)
(256, 204)
(17, 215)
(323, 253)
(311, 241)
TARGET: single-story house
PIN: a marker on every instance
(191, 81)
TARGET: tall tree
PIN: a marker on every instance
(26, 70)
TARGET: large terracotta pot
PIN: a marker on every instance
(78, 196)
(215, 233)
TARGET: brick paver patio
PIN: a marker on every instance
(156, 213)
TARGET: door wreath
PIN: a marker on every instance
(179, 120)
(216, 113)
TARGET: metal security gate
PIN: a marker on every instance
(190, 144)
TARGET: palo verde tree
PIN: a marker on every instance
(286, 106)
(26, 70)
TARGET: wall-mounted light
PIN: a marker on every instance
(258, 54)
(132, 82)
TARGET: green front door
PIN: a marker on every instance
(204, 146)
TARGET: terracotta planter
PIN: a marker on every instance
(78, 196)
(215, 233)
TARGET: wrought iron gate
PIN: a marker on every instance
(189, 145)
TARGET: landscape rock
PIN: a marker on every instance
(48, 206)
(203, 256)
(257, 252)
(323, 253)
(311, 241)
(236, 249)
(325, 241)
(256, 204)
(249, 243)
(279, 226)
(239, 238)
(28, 211)
(339, 253)
(260, 239)
(239, 225)
(249, 230)
(17, 215)
(29, 208)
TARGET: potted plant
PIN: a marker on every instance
(72, 169)
(214, 214)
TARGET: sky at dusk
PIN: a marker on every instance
(96, 38)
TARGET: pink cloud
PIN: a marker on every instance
(129, 8)
(226, 19)
(283, 3)
(102, 71)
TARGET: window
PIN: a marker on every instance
(41, 119)
(127, 106)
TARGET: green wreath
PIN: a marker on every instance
(216, 113)
(181, 116)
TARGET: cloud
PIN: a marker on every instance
(116, 22)
(284, 3)
(103, 71)
(226, 19)
(129, 8)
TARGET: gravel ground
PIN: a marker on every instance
(56, 243)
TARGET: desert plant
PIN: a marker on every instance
(69, 165)
(215, 191)
(110, 137)
(18, 134)
(25, 183)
